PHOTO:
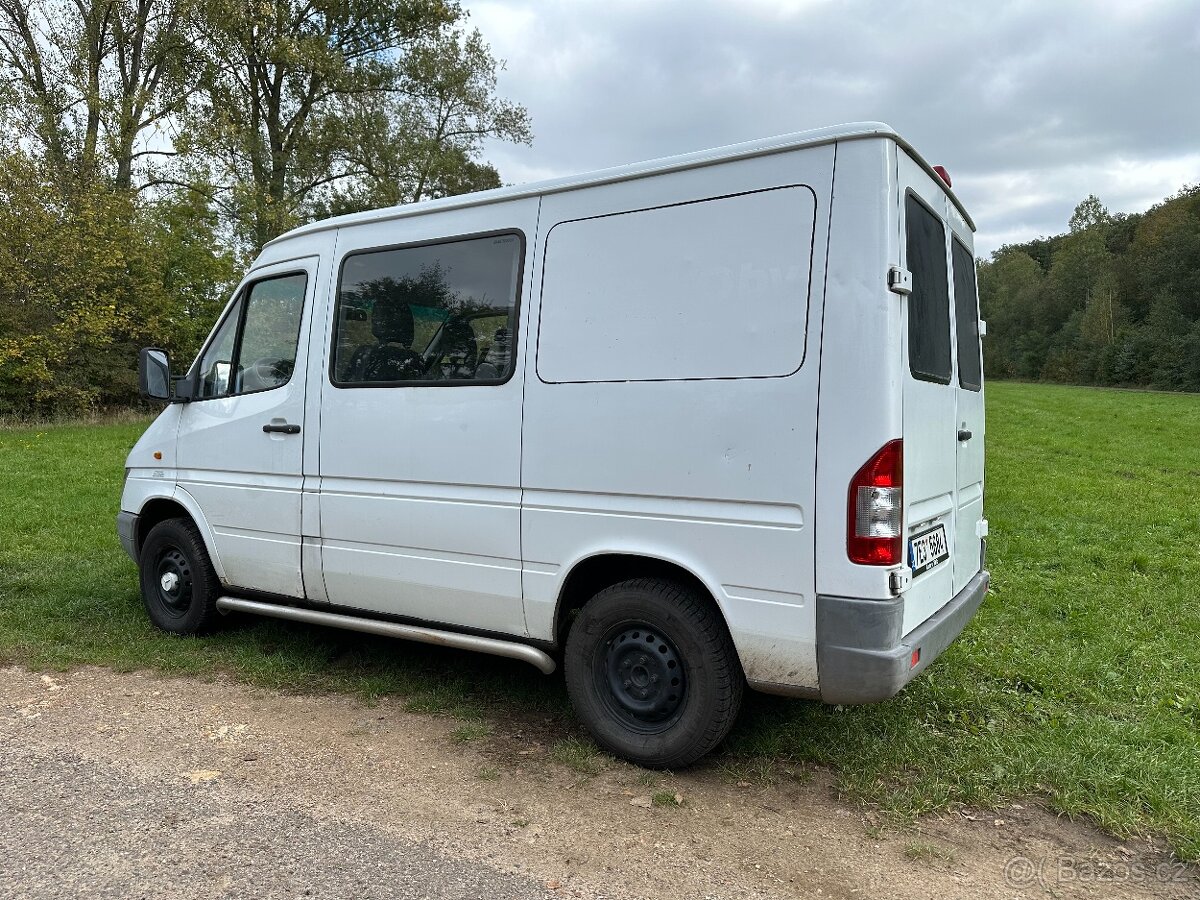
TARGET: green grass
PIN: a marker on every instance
(470, 732)
(579, 754)
(667, 798)
(1079, 679)
(924, 851)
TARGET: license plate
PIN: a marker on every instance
(928, 549)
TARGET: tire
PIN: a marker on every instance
(652, 672)
(179, 587)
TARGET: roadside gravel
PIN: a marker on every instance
(131, 785)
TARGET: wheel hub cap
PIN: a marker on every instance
(644, 676)
(174, 580)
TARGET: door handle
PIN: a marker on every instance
(281, 429)
(963, 434)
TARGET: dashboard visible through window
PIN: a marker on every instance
(433, 313)
(254, 348)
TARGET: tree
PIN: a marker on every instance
(1011, 288)
(305, 96)
(80, 291)
(1090, 213)
(420, 141)
(90, 78)
(1166, 253)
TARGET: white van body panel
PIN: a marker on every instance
(250, 484)
(862, 323)
(706, 351)
(673, 461)
(929, 439)
(420, 486)
(970, 526)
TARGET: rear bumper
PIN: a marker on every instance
(127, 532)
(862, 657)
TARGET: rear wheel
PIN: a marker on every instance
(652, 673)
(179, 587)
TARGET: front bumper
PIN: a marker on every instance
(127, 532)
(862, 657)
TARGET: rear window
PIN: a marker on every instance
(929, 303)
(966, 318)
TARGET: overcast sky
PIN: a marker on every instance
(1030, 105)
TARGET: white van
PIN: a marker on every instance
(681, 427)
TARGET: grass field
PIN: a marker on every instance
(1079, 680)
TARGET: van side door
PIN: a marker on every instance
(420, 447)
(240, 439)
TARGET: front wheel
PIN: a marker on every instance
(179, 587)
(652, 673)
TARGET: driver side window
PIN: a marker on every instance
(255, 347)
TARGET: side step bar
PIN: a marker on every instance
(511, 649)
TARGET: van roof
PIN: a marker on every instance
(762, 147)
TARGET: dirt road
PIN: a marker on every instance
(115, 785)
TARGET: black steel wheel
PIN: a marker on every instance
(174, 586)
(652, 672)
(179, 587)
(639, 676)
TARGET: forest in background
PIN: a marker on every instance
(1113, 301)
(151, 147)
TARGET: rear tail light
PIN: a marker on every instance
(875, 508)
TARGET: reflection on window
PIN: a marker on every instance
(255, 347)
(929, 302)
(966, 318)
(435, 313)
(217, 361)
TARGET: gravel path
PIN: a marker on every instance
(134, 786)
(77, 828)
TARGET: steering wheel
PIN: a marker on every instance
(271, 371)
(390, 363)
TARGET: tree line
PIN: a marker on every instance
(151, 147)
(1113, 301)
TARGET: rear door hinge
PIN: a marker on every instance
(899, 580)
(899, 280)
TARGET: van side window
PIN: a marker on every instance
(966, 317)
(428, 314)
(255, 347)
(929, 302)
(217, 360)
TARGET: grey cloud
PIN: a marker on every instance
(1048, 93)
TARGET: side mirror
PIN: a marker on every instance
(154, 374)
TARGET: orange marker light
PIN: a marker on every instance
(158, 454)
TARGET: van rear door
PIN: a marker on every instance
(968, 381)
(930, 423)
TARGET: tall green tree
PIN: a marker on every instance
(305, 97)
(94, 83)
(421, 141)
(80, 291)
(1114, 300)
